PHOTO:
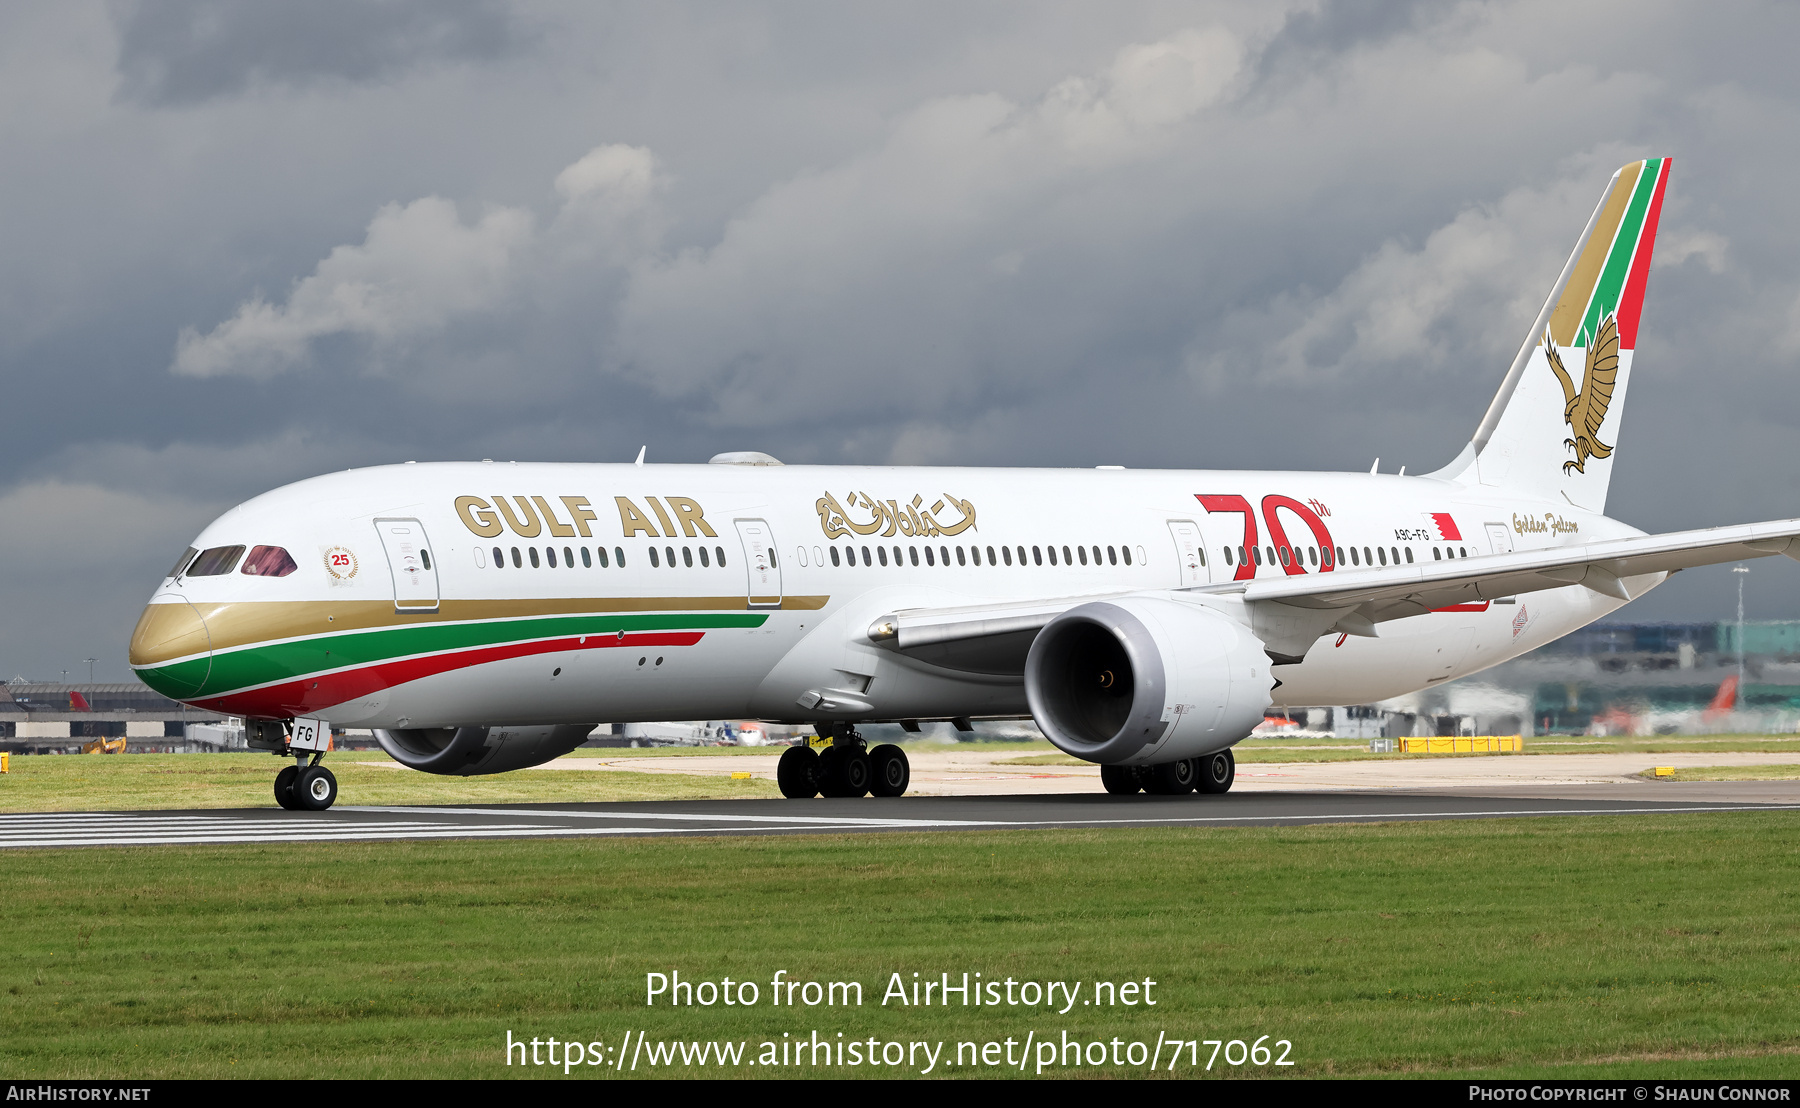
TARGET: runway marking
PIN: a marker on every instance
(64, 829)
(875, 821)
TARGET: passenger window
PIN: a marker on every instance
(834, 556)
(181, 562)
(705, 562)
(549, 556)
(499, 558)
(618, 556)
(654, 564)
(215, 561)
(687, 556)
(272, 561)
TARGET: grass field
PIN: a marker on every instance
(1661, 945)
(43, 783)
(1732, 773)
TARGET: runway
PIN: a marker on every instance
(781, 817)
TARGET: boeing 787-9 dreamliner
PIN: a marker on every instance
(484, 617)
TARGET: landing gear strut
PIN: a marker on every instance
(306, 785)
(845, 768)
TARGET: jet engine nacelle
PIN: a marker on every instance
(1142, 681)
(471, 751)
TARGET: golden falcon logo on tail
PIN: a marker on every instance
(1586, 410)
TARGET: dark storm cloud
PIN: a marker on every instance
(175, 52)
(1157, 234)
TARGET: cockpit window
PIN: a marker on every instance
(268, 561)
(215, 560)
(181, 562)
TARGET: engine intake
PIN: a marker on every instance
(1142, 680)
(473, 751)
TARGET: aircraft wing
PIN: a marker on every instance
(1289, 613)
(1410, 590)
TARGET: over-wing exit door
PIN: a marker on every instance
(410, 563)
(760, 563)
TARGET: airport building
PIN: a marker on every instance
(43, 718)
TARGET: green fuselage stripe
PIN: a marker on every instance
(266, 664)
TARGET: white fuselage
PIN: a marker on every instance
(903, 538)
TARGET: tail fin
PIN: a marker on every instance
(1551, 430)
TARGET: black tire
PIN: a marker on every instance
(1172, 778)
(284, 788)
(831, 773)
(798, 773)
(315, 789)
(892, 772)
(858, 772)
(1121, 780)
(1217, 772)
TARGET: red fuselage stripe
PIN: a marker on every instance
(298, 698)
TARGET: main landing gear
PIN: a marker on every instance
(847, 767)
(1209, 773)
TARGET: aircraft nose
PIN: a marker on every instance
(171, 649)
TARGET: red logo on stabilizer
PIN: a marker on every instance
(1445, 526)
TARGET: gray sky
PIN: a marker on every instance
(243, 243)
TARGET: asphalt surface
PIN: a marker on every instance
(819, 816)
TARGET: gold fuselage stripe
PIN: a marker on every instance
(171, 630)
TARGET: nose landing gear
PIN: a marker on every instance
(306, 785)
